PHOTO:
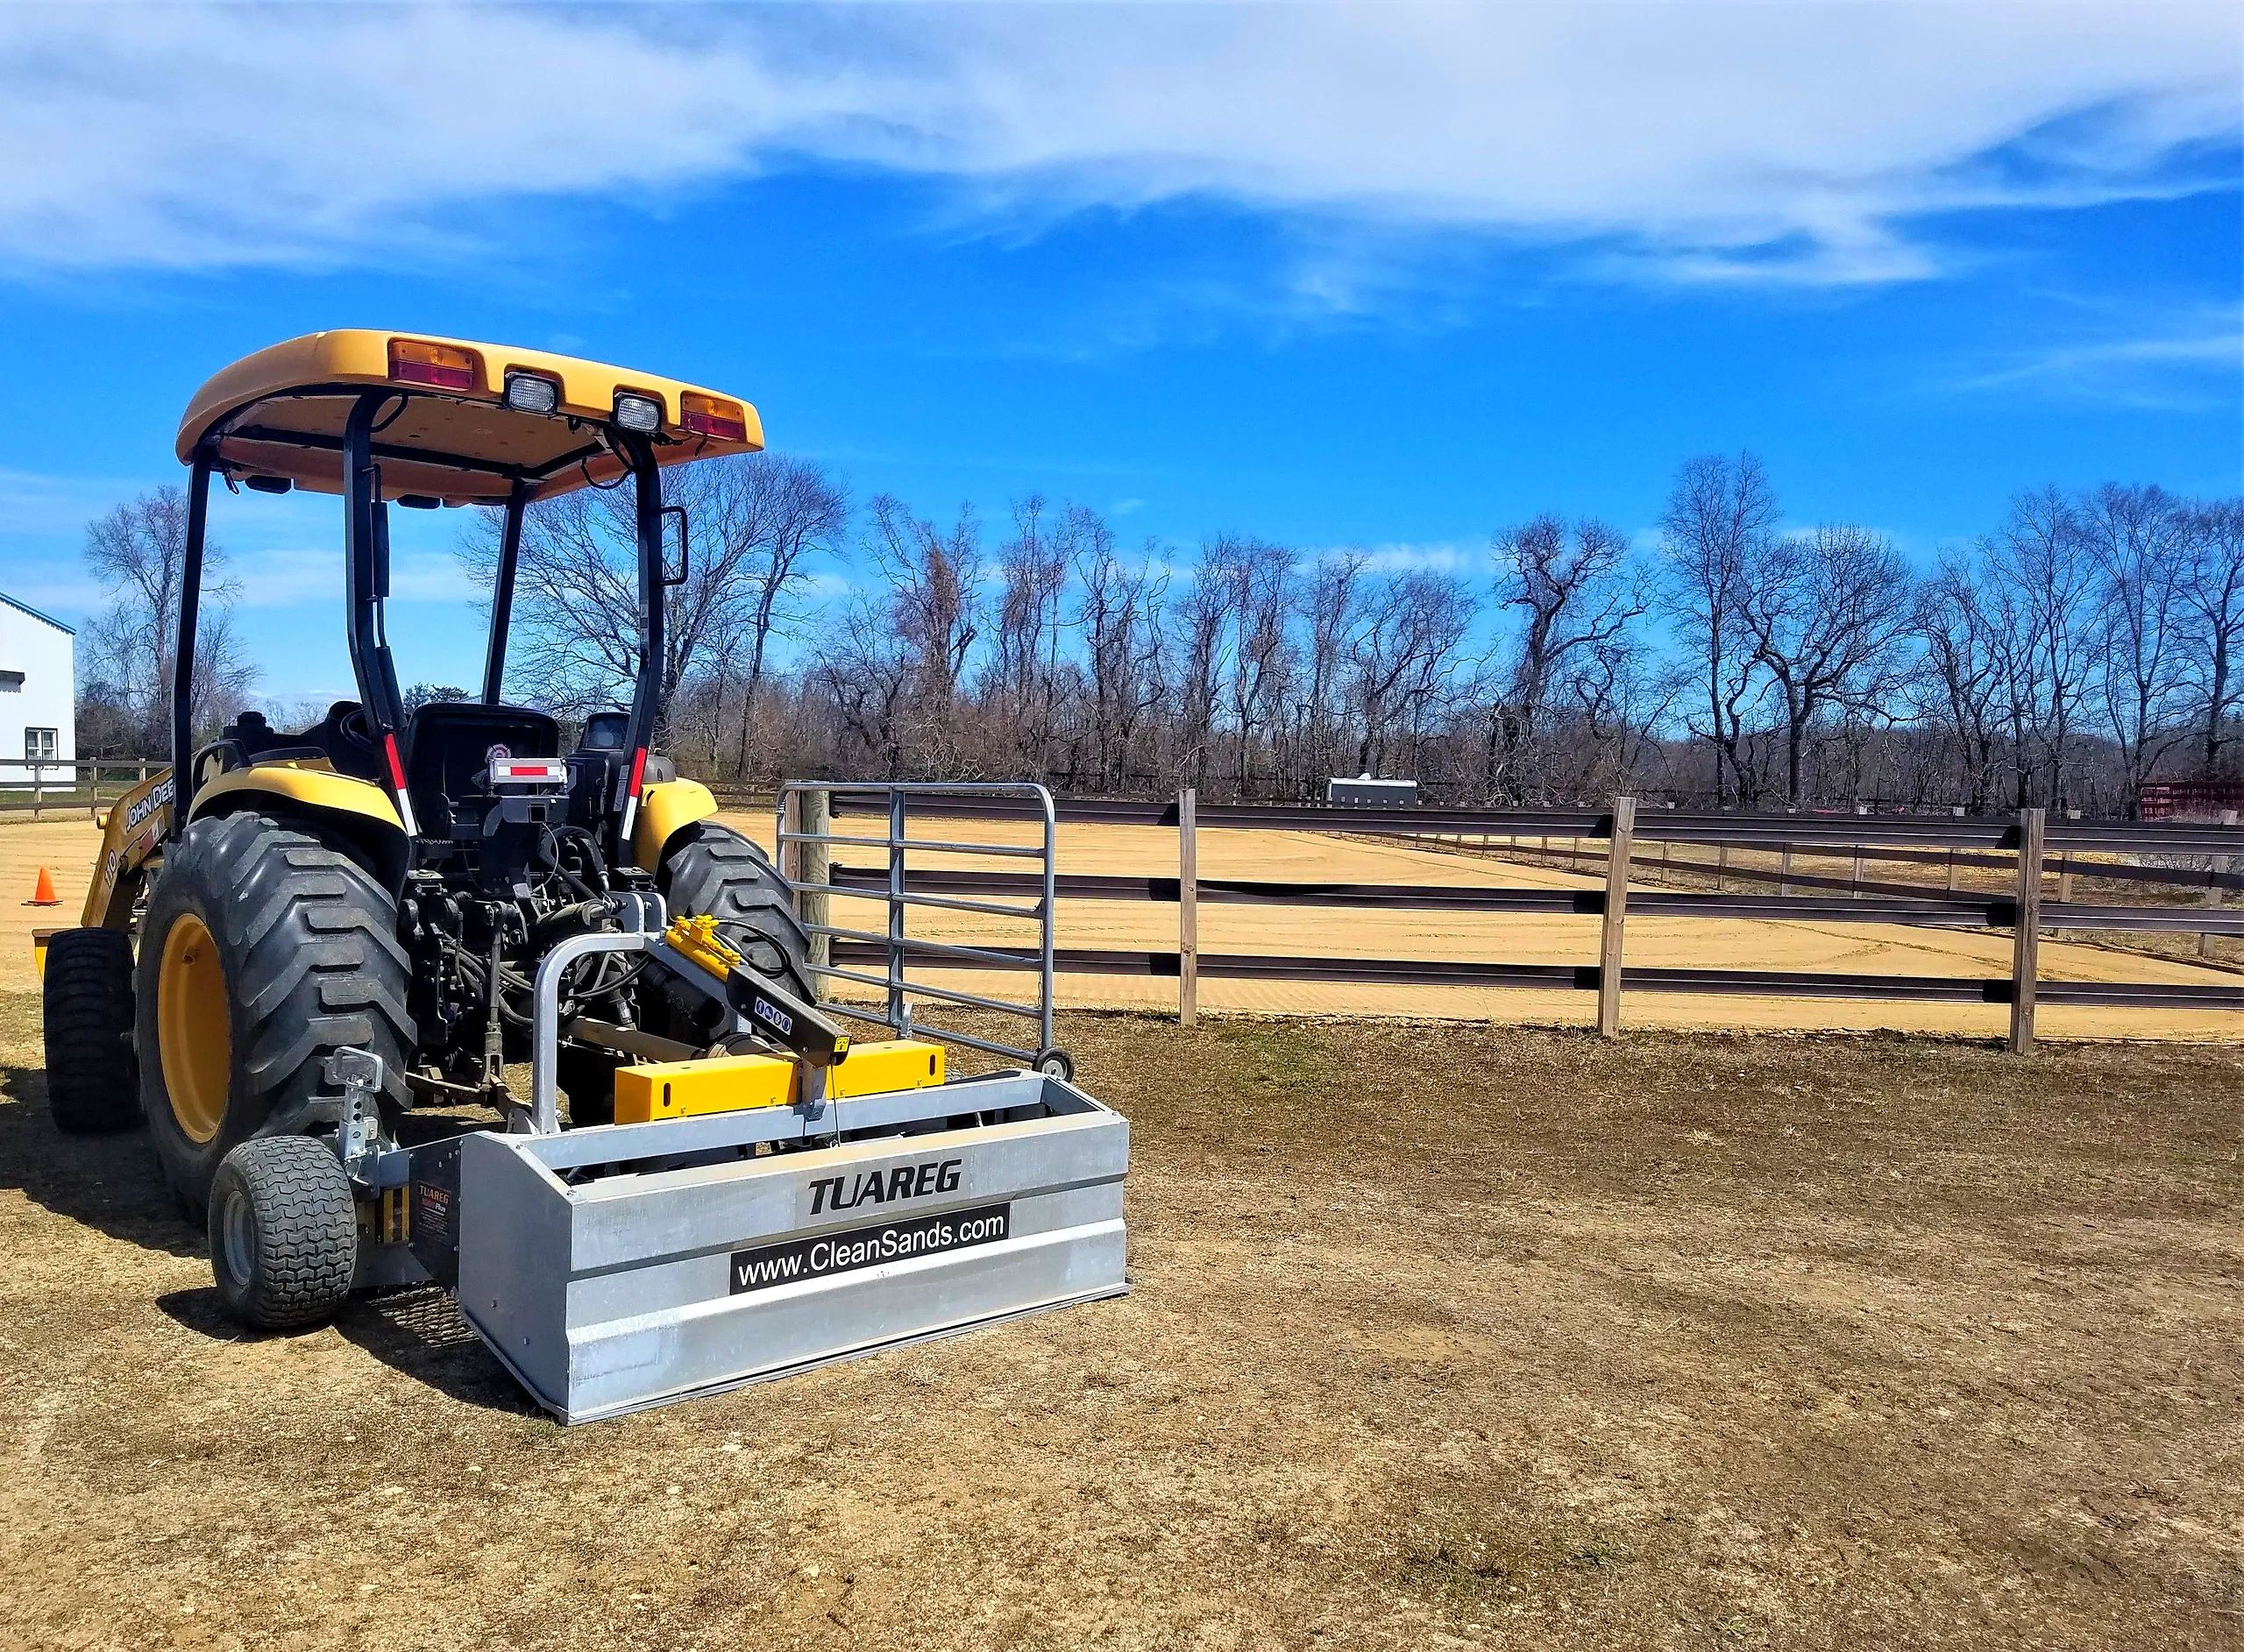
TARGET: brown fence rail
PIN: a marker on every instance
(2020, 847)
(41, 786)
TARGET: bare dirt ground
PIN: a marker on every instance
(1442, 1336)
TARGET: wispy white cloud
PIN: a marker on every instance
(35, 504)
(1703, 142)
(52, 589)
(2178, 364)
(1438, 555)
(290, 578)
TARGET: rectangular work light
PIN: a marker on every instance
(441, 366)
(634, 412)
(528, 393)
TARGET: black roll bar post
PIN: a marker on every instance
(190, 606)
(646, 695)
(365, 555)
(502, 595)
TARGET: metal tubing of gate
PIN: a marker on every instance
(894, 981)
(900, 1011)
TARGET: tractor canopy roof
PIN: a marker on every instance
(471, 420)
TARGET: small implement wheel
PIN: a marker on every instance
(93, 1084)
(1056, 1063)
(284, 1232)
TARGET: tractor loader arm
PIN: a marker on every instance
(132, 836)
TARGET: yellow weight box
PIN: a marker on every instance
(728, 1083)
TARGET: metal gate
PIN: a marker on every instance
(807, 839)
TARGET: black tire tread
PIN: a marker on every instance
(717, 873)
(307, 1232)
(92, 1084)
(316, 966)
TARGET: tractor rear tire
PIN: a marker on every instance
(284, 1232)
(712, 871)
(262, 951)
(92, 1084)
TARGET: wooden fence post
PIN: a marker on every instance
(1722, 868)
(811, 863)
(2212, 890)
(1783, 870)
(2025, 958)
(1854, 887)
(1188, 908)
(1952, 884)
(1616, 915)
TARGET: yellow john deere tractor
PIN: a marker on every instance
(292, 939)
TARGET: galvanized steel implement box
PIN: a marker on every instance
(618, 1267)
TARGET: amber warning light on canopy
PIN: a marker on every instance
(715, 416)
(441, 366)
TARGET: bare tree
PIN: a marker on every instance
(1199, 621)
(1330, 606)
(1720, 515)
(1574, 594)
(2212, 595)
(866, 674)
(2041, 559)
(1825, 615)
(1021, 682)
(755, 521)
(2139, 540)
(1258, 575)
(1121, 621)
(138, 553)
(1965, 648)
(1404, 657)
(772, 517)
(933, 617)
(1616, 695)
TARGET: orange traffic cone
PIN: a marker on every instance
(43, 892)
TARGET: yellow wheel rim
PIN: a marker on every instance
(194, 1028)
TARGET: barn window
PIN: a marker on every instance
(39, 744)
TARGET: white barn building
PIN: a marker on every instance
(38, 692)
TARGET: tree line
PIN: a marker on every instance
(2086, 645)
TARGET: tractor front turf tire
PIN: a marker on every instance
(284, 1232)
(91, 1084)
(262, 951)
(712, 871)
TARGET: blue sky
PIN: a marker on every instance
(1390, 277)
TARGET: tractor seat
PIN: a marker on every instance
(344, 738)
(449, 742)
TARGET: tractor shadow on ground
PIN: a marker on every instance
(110, 1183)
(418, 1332)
